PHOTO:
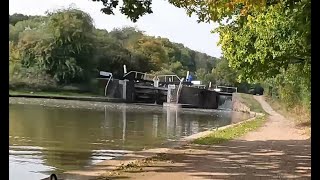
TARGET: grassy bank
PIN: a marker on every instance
(300, 115)
(48, 93)
(227, 134)
(249, 101)
(240, 129)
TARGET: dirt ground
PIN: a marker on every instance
(278, 150)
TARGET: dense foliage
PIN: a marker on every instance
(273, 46)
(65, 47)
(265, 41)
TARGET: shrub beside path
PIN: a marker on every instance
(277, 150)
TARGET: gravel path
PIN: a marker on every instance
(277, 150)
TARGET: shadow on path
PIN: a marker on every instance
(238, 159)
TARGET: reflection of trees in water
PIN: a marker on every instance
(69, 136)
(42, 127)
(183, 124)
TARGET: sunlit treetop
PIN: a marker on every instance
(206, 10)
(133, 9)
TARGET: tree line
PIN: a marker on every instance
(64, 48)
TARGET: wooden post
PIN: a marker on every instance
(124, 69)
(187, 75)
(124, 122)
(169, 94)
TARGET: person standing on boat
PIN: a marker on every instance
(189, 79)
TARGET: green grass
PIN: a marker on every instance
(227, 134)
(249, 101)
(45, 93)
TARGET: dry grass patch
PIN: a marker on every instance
(300, 115)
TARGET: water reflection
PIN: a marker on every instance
(43, 140)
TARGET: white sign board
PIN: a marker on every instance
(103, 73)
(196, 82)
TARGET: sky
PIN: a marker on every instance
(166, 21)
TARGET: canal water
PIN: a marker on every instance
(45, 140)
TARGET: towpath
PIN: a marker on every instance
(278, 150)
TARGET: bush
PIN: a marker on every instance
(30, 79)
(292, 87)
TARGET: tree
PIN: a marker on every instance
(64, 45)
(126, 36)
(131, 8)
(68, 53)
(172, 68)
(110, 55)
(204, 61)
(268, 41)
(152, 49)
(13, 19)
(223, 74)
(35, 23)
(61, 45)
(217, 10)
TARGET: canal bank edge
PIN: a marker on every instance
(238, 106)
